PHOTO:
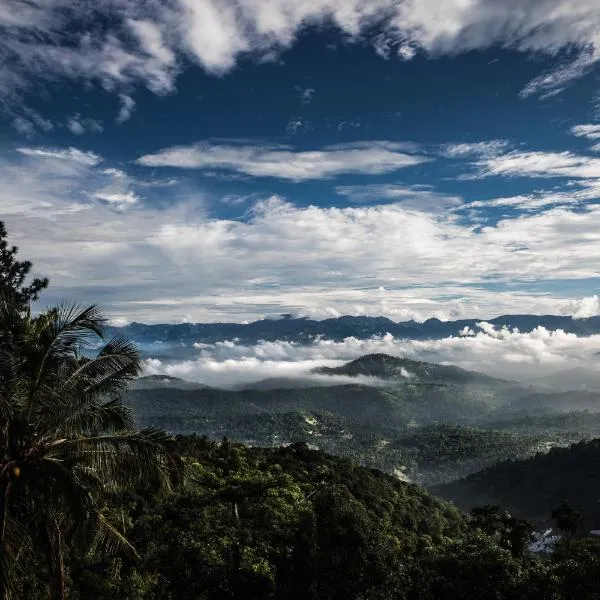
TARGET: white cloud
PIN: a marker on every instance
(539, 164)
(24, 126)
(306, 94)
(297, 124)
(126, 109)
(554, 81)
(576, 193)
(393, 259)
(79, 125)
(586, 307)
(126, 199)
(146, 42)
(75, 126)
(485, 149)
(27, 125)
(72, 154)
(419, 197)
(374, 157)
(502, 353)
(590, 131)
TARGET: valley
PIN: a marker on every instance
(421, 422)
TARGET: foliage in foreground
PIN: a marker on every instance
(296, 524)
(65, 437)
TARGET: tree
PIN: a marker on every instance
(66, 436)
(14, 273)
(567, 519)
(510, 533)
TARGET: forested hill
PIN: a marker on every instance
(385, 366)
(305, 330)
(295, 524)
(287, 523)
(533, 487)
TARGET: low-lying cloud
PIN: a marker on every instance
(502, 353)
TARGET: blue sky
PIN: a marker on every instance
(219, 160)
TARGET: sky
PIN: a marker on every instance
(230, 160)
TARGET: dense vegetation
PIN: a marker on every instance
(292, 523)
(532, 487)
(426, 430)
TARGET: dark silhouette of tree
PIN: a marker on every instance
(511, 533)
(14, 273)
(567, 519)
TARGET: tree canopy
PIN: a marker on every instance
(14, 273)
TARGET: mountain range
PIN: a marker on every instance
(304, 330)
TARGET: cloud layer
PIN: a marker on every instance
(371, 158)
(398, 259)
(501, 353)
(149, 43)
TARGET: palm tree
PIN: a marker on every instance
(65, 436)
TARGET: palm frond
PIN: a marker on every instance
(75, 401)
(108, 538)
(97, 418)
(115, 366)
(124, 458)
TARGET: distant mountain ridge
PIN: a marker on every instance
(305, 330)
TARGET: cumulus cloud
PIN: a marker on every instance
(392, 259)
(586, 307)
(146, 43)
(499, 352)
(283, 162)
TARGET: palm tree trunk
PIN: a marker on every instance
(4, 500)
(58, 581)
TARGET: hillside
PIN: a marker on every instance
(385, 366)
(292, 524)
(559, 402)
(531, 488)
(579, 378)
(425, 422)
(150, 382)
